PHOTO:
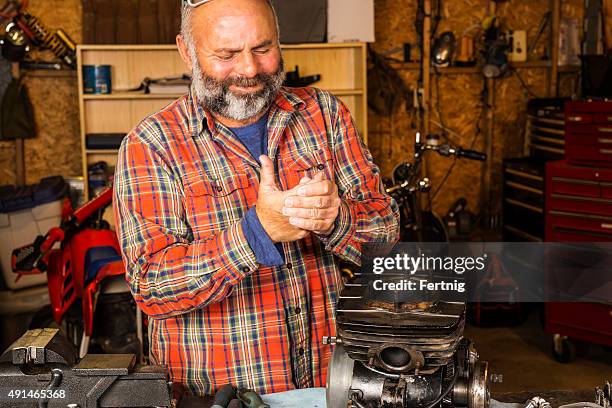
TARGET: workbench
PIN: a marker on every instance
(315, 398)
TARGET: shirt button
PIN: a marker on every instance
(246, 269)
(298, 310)
(289, 266)
(219, 188)
(320, 167)
(301, 351)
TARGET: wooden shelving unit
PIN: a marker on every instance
(342, 68)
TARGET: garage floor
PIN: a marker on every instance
(522, 355)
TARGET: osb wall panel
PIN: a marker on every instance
(56, 148)
(460, 101)
(608, 27)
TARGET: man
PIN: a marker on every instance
(231, 203)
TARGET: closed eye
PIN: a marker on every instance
(226, 57)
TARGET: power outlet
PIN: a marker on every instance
(518, 45)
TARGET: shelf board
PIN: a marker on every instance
(137, 95)
(537, 64)
(48, 73)
(322, 45)
(457, 70)
(531, 64)
(101, 151)
(129, 95)
(415, 66)
(126, 47)
(569, 68)
(406, 66)
(345, 92)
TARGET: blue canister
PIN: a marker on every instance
(97, 79)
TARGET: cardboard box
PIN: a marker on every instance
(301, 21)
(350, 21)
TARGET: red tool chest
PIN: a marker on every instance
(579, 209)
(588, 132)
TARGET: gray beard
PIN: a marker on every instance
(217, 98)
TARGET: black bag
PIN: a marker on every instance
(17, 117)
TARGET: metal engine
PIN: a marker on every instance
(395, 353)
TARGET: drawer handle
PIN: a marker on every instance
(605, 151)
(605, 129)
(606, 226)
(604, 140)
(574, 118)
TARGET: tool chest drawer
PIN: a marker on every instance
(578, 203)
(596, 130)
(588, 154)
(573, 180)
(588, 132)
(597, 226)
(559, 233)
(592, 317)
(523, 199)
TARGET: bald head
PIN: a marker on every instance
(214, 9)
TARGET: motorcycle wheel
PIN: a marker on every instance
(433, 230)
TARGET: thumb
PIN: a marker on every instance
(267, 172)
(320, 176)
(305, 180)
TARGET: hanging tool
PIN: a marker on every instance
(59, 42)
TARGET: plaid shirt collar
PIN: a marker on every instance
(201, 119)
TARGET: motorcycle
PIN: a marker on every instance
(90, 299)
(417, 224)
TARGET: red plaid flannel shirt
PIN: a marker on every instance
(182, 185)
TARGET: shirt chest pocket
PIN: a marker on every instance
(306, 164)
(213, 205)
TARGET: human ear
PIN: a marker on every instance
(183, 49)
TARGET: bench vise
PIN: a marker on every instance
(41, 369)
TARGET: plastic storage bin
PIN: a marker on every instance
(26, 212)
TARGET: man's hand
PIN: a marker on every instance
(269, 206)
(316, 205)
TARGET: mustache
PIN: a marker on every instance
(259, 79)
(215, 94)
(266, 80)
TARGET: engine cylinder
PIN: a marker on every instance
(401, 354)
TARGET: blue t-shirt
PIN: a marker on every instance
(255, 138)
